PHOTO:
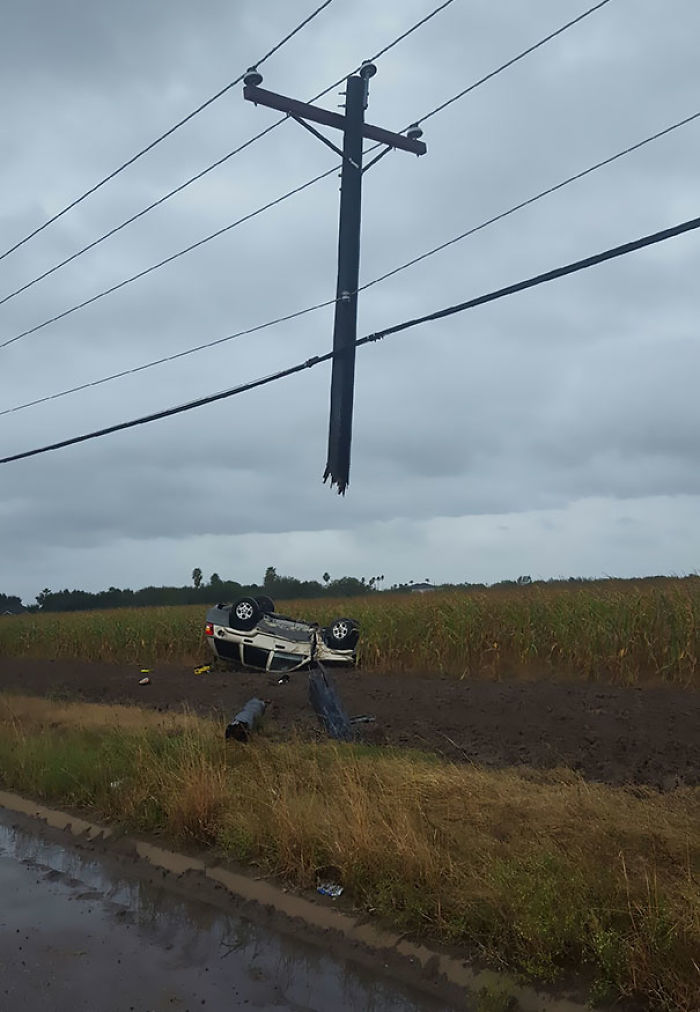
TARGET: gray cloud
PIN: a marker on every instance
(579, 392)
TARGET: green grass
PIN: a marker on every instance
(619, 631)
(541, 875)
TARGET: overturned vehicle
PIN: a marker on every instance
(251, 634)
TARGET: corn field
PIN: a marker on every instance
(619, 631)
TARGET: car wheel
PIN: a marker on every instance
(245, 614)
(342, 634)
(266, 605)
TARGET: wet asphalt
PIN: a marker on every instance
(78, 936)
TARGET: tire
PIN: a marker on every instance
(342, 634)
(245, 614)
(266, 605)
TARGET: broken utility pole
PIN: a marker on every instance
(354, 131)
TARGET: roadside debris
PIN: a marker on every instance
(203, 669)
(283, 680)
(145, 680)
(324, 698)
(363, 719)
(145, 671)
(331, 889)
(247, 720)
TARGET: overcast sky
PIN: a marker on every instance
(552, 433)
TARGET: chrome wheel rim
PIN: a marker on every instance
(340, 630)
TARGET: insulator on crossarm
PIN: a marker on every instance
(253, 77)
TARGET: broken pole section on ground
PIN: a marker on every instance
(246, 720)
(325, 700)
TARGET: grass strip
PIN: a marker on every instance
(538, 873)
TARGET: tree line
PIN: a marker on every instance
(199, 591)
(279, 588)
(10, 604)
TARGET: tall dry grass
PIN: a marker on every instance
(620, 631)
(540, 873)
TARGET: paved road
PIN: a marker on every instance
(75, 936)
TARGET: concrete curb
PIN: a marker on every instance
(423, 962)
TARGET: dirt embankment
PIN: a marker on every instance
(607, 733)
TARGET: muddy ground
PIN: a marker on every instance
(616, 735)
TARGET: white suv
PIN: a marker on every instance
(250, 633)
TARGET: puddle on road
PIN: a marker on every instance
(77, 934)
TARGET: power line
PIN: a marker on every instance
(173, 358)
(167, 133)
(135, 217)
(493, 296)
(540, 279)
(531, 200)
(515, 59)
(209, 168)
(322, 305)
(166, 260)
(409, 31)
(227, 228)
